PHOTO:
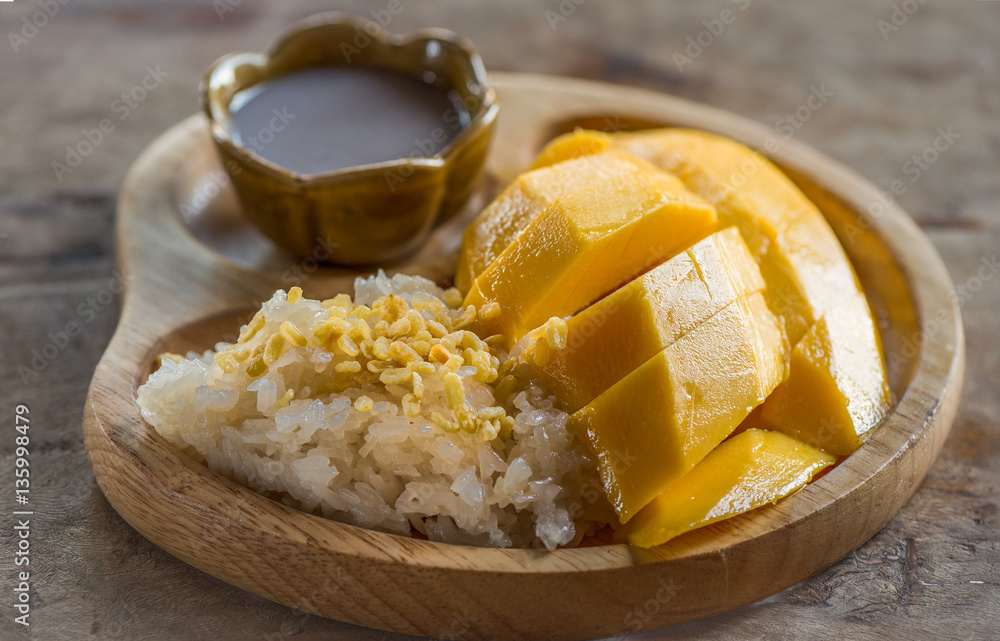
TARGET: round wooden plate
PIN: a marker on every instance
(194, 268)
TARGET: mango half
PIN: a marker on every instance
(749, 470)
(620, 332)
(658, 422)
(807, 273)
(586, 244)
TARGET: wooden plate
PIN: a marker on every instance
(194, 268)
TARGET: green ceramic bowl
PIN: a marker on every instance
(370, 214)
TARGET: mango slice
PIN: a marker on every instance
(654, 425)
(578, 143)
(529, 195)
(807, 274)
(800, 257)
(586, 244)
(745, 472)
(626, 328)
(836, 390)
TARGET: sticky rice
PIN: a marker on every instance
(383, 412)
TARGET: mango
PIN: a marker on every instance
(745, 472)
(658, 422)
(586, 244)
(580, 142)
(836, 390)
(621, 331)
(807, 274)
(800, 258)
(529, 195)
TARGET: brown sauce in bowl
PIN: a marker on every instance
(331, 118)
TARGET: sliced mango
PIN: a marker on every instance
(623, 330)
(581, 142)
(801, 259)
(530, 194)
(745, 472)
(807, 274)
(654, 425)
(586, 244)
(836, 390)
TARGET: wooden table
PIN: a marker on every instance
(887, 87)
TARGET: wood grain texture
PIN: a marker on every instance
(180, 289)
(932, 572)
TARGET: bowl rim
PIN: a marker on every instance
(214, 77)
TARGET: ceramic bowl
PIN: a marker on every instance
(370, 214)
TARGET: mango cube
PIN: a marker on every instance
(836, 390)
(658, 422)
(529, 195)
(586, 244)
(626, 328)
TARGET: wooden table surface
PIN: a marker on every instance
(891, 80)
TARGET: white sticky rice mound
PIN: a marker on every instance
(379, 469)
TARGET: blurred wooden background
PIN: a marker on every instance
(897, 77)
